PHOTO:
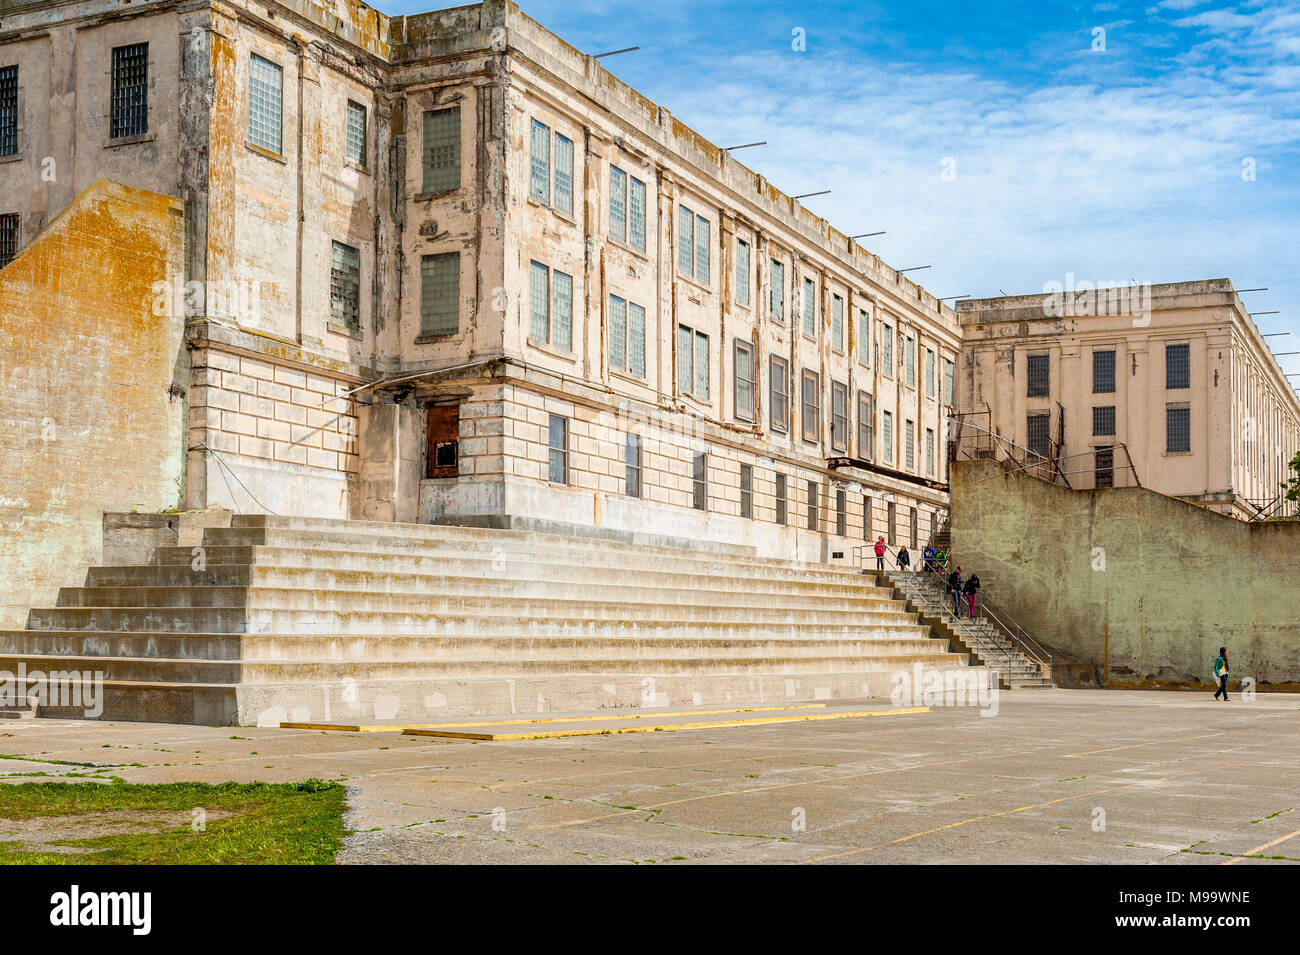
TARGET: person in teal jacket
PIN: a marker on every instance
(1221, 673)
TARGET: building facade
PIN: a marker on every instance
(448, 268)
(1178, 374)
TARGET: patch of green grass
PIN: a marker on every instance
(246, 824)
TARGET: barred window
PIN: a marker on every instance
(909, 444)
(539, 179)
(632, 456)
(8, 110)
(782, 500)
(778, 377)
(441, 157)
(811, 405)
(778, 292)
(742, 272)
(1037, 426)
(558, 450)
(1103, 372)
(440, 294)
(744, 380)
(1105, 467)
(1103, 421)
(747, 491)
(810, 308)
(1178, 372)
(864, 337)
(887, 435)
(345, 286)
(129, 103)
(839, 416)
(887, 349)
(812, 505)
(355, 134)
(563, 175)
(8, 237)
(700, 481)
(618, 203)
(1038, 373)
(837, 323)
(1178, 429)
(866, 426)
(265, 85)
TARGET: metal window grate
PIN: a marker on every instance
(8, 237)
(636, 339)
(1103, 372)
(617, 333)
(440, 294)
(129, 103)
(1178, 430)
(563, 175)
(8, 110)
(1105, 466)
(618, 203)
(1039, 439)
(1178, 372)
(539, 177)
(265, 85)
(355, 134)
(441, 141)
(345, 286)
(562, 310)
(1039, 381)
(742, 272)
(1103, 421)
(636, 212)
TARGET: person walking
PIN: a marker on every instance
(904, 558)
(954, 585)
(1221, 673)
(928, 556)
(880, 553)
(941, 560)
(972, 588)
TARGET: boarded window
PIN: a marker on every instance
(355, 134)
(8, 237)
(345, 286)
(779, 398)
(1039, 372)
(265, 87)
(443, 453)
(891, 522)
(8, 110)
(914, 529)
(1178, 371)
(1103, 372)
(744, 380)
(841, 512)
(441, 156)
(867, 518)
(129, 104)
(440, 294)
(742, 272)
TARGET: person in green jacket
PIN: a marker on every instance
(1221, 673)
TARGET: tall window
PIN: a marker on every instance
(632, 454)
(1103, 372)
(700, 481)
(345, 286)
(947, 381)
(692, 363)
(1039, 370)
(809, 308)
(693, 245)
(744, 380)
(354, 134)
(778, 292)
(1037, 426)
(891, 521)
(558, 445)
(129, 104)
(864, 337)
(8, 110)
(811, 406)
(626, 208)
(909, 359)
(866, 426)
(839, 416)
(550, 299)
(742, 272)
(909, 447)
(782, 500)
(440, 294)
(887, 352)
(1178, 371)
(539, 163)
(747, 490)
(841, 512)
(778, 400)
(812, 505)
(1178, 428)
(9, 222)
(930, 383)
(440, 158)
(562, 193)
(913, 528)
(867, 518)
(837, 323)
(1103, 421)
(265, 88)
(887, 435)
(929, 451)
(626, 336)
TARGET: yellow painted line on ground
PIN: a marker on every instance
(1258, 849)
(1154, 742)
(665, 727)
(396, 727)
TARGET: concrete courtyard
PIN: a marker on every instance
(1057, 776)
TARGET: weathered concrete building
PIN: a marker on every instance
(447, 268)
(1178, 374)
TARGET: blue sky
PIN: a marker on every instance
(1172, 152)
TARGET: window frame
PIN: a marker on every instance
(810, 411)
(778, 398)
(742, 294)
(634, 469)
(808, 309)
(700, 481)
(426, 330)
(1101, 353)
(557, 455)
(253, 81)
(114, 90)
(841, 419)
(429, 184)
(1172, 348)
(747, 414)
(11, 112)
(1038, 386)
(352, 323)
(747, 491)
(776, 290)
(350, 107)
(867, 421)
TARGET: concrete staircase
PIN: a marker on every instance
(984, 636)
(294, 619)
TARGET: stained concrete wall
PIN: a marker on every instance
(1145, 585)
(93, 417)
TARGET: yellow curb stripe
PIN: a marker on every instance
(708, 724)
(1154, 742)
(395, 727)
(1258, 849)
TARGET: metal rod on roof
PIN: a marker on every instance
(950, 297)
(744, 146)
(866, 235)
(1240, 290)
(597, 56)
(1274, 312)
(914, 268)
(824, 192)
(1275, 334)
(1278, 353)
